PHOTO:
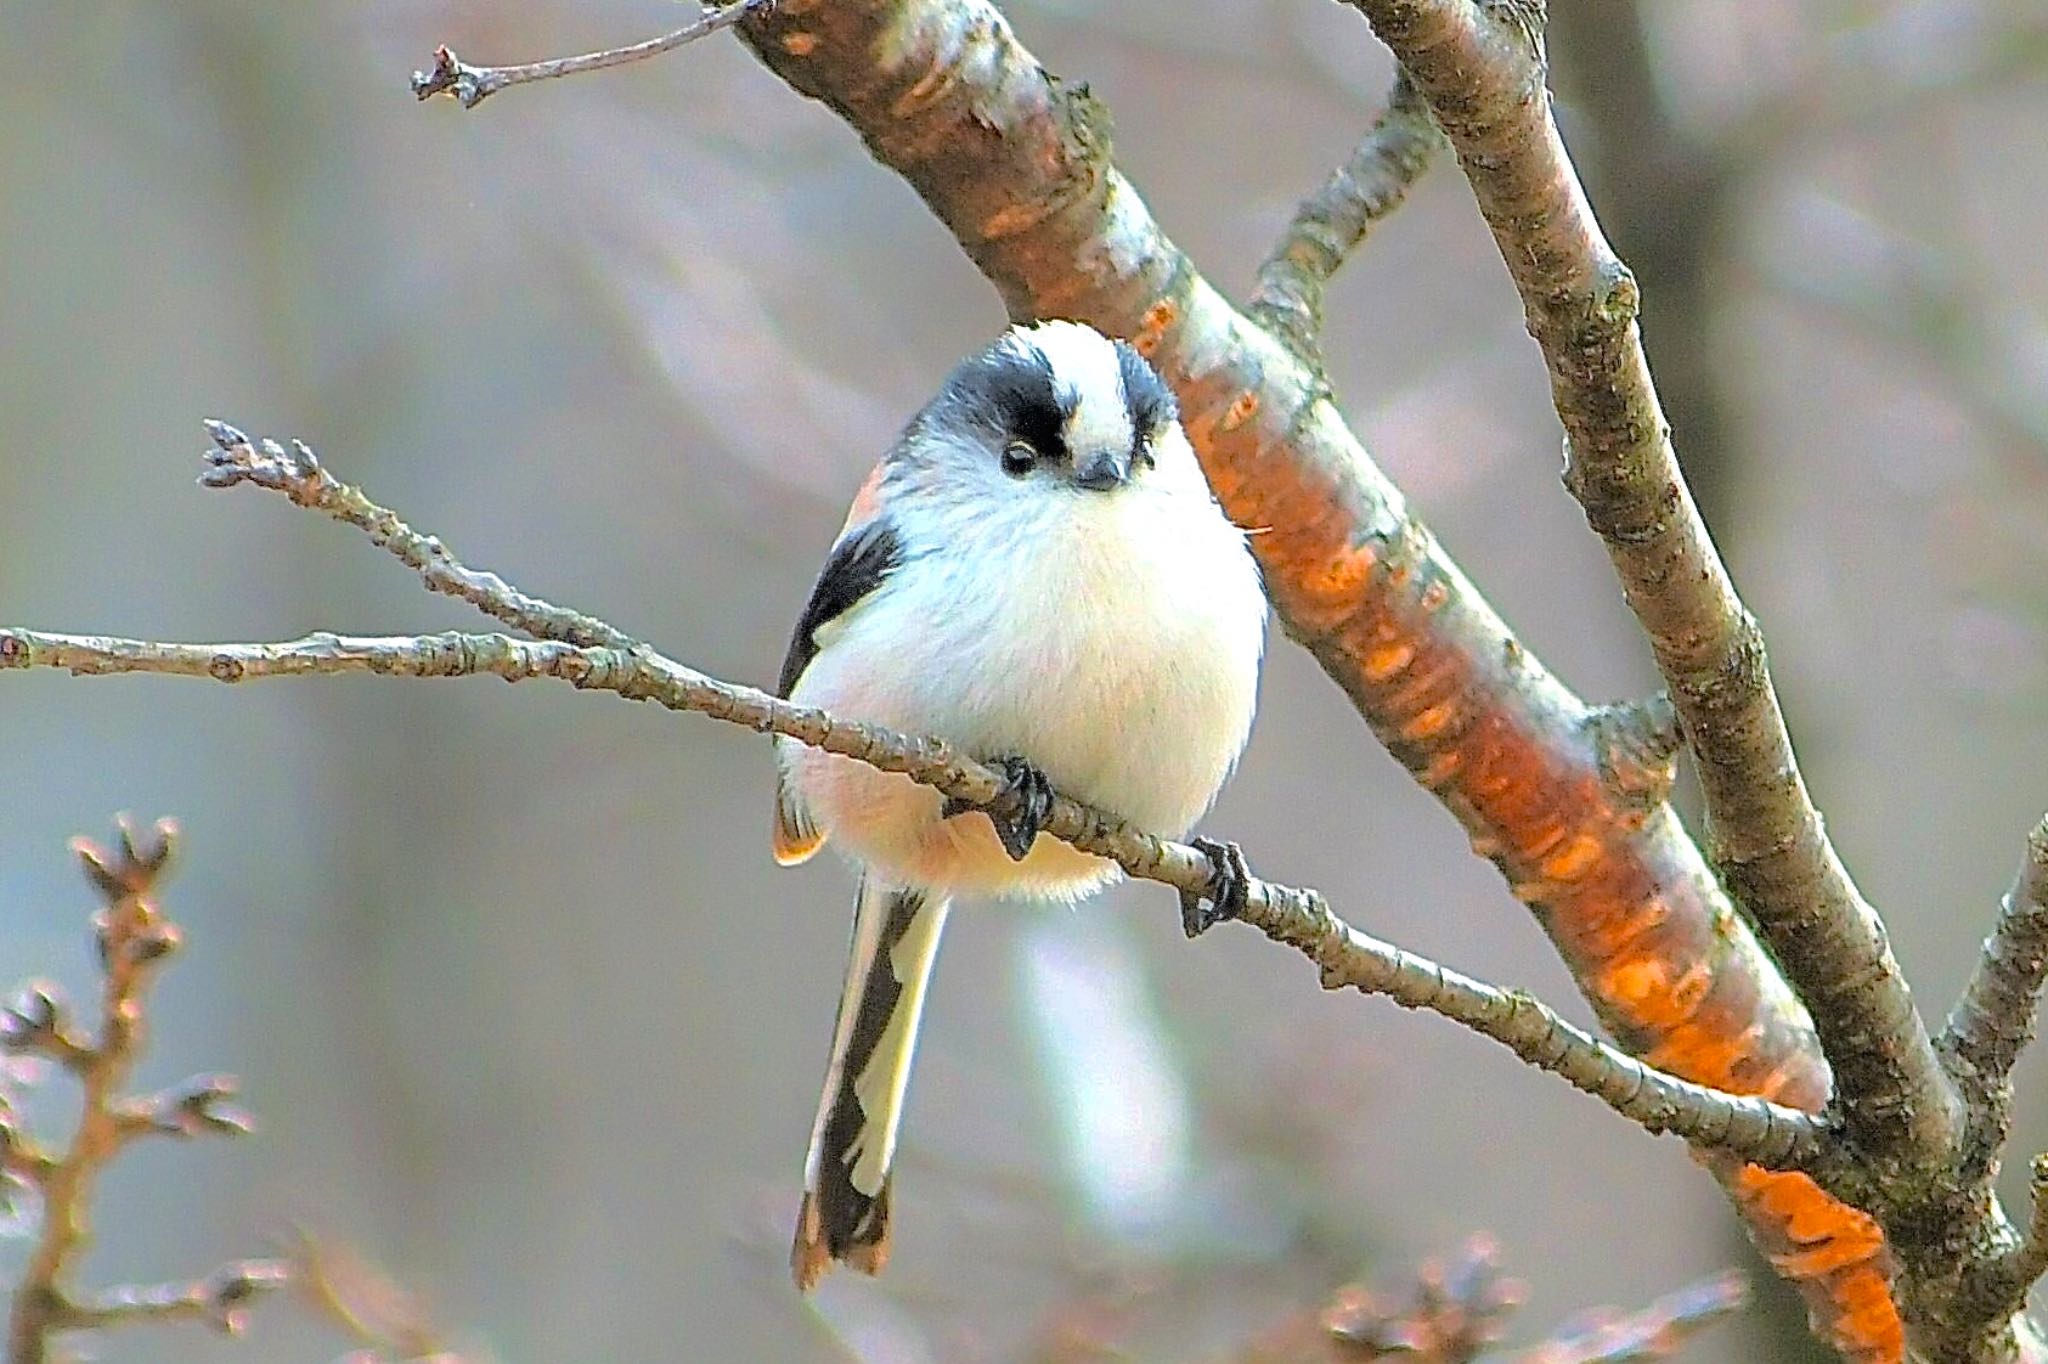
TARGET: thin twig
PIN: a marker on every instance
(472, 85)
(1481, 67)
(1748, 1127)
(36, 1023)
(221, 1299)
(297, 473)
(1330, 224)
(370, 1306)
(135, 940)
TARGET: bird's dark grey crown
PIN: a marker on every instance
(1011, 391)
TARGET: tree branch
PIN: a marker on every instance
(134, 942)
(1017, 166)
(1994, 1019)
(1998, 1287)
(1330, 224)
(1750, 1128)
(1746, 1127)
(297, 474)
(221, 1299)
(1460, 1308)
(472, 85)
(1481, 66)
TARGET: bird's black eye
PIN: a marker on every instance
(1019, 458)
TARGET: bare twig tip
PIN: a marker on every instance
(31, 1017)
(199, 1106)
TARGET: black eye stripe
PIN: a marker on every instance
(1147, 400)
(1009, 392)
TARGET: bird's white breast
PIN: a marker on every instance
(1112, 639)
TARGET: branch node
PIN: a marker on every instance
(1636, 746)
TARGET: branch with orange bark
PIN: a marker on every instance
(591, 655)
(1017, 166)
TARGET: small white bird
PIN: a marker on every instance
(1038, 573)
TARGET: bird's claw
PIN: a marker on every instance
(1032, 792)
(1229, 887)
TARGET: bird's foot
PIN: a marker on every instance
(1230, 882)
(1032, 794)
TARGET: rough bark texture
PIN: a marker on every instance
(1016, 164)
(1482, 70)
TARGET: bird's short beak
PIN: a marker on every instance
(1103, 470)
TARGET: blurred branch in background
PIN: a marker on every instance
(1458, 1312)
(134, 940)
(47, 1194)
(389, 1324)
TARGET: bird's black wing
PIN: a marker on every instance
(857, 565)
(864, 556)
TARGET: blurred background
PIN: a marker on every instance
(528, 1016)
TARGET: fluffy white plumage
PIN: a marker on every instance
(1108, 631)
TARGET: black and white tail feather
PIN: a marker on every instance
(845, 1211)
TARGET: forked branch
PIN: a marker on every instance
(1749, 1128)
(1481, 67)
(135, 940)
(1994, 1019)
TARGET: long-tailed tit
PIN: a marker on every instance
(1038, 573)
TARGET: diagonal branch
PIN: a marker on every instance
(1997, 1287)
(1481, 67)
(1994, 1019)
(1332, 223)
(1747, 1127)
(297, 473)
(472, 85)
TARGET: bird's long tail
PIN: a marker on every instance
(845, 1211)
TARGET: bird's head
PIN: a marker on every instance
(1060, 406)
